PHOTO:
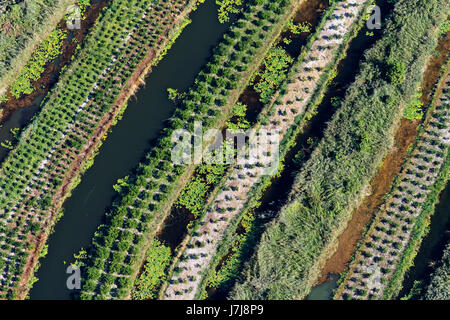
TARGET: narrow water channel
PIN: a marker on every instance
(124, 148)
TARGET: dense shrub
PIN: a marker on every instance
(439, 287)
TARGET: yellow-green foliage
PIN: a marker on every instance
(299, 28)
(396, 72)
(173, 94)
(121, 184)
(7, 144)
(445, 27)
(228, 7)
(239, 121)
(49, 49)
(147, 285)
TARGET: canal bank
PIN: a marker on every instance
(432, 246)
(17, 112)
(124, 147)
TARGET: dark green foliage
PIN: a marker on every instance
(396, 72)
(157, 260)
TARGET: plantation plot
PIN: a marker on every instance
(379, 265)
(120, 244)
(40, 172)
(233, 197)
(333, 181)
(24, 24)
(438, 288)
